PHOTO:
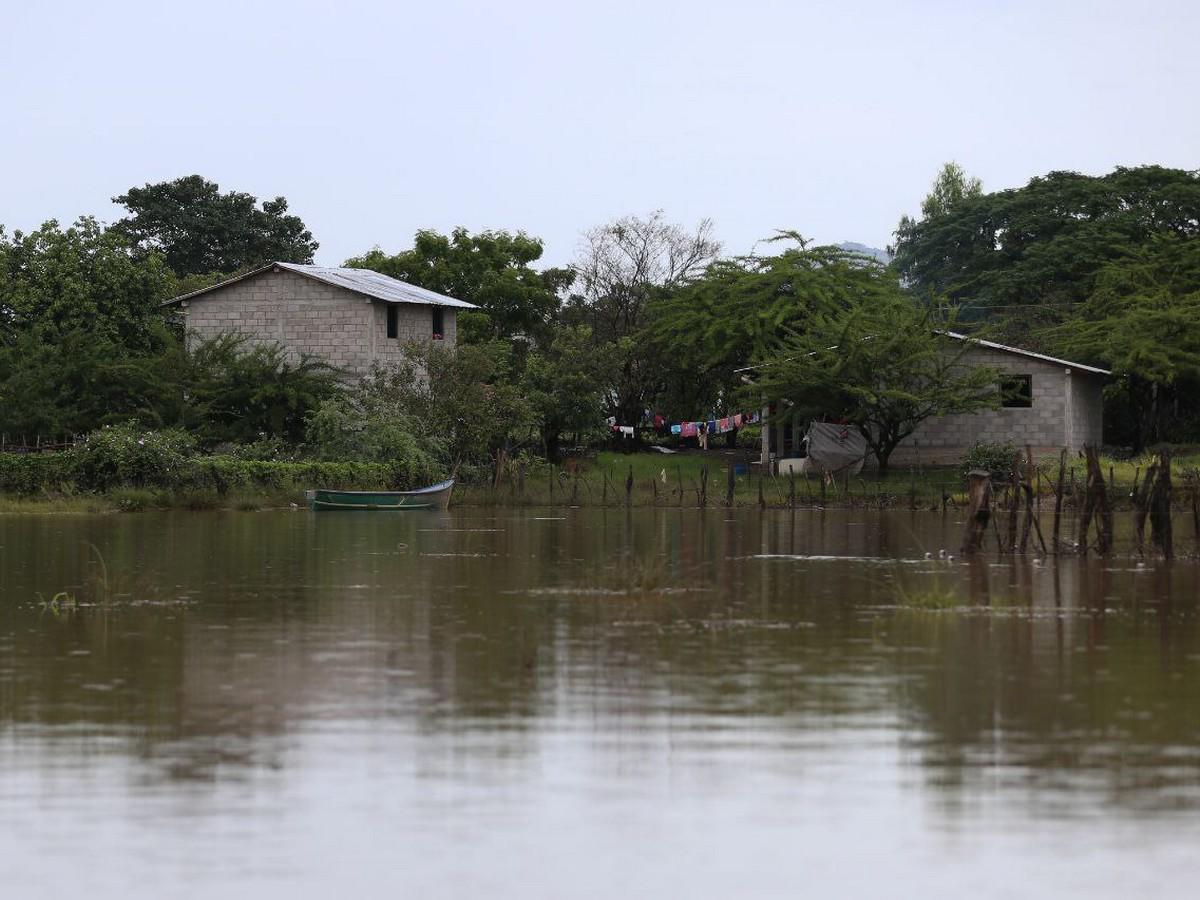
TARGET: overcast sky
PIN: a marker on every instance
(378, 118)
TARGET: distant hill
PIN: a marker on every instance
(854, 247)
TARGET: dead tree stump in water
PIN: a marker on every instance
(979, 511)
(1141, 506)
(1095, 504)
(1027, 489)
(1160, 507)
(729, 486)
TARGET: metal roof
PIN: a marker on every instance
(362, 281)
(992, 345)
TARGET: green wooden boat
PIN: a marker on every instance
(436, 496)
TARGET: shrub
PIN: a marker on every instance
(994, 458)
(129, 456)
(29, 473)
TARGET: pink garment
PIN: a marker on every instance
(737, 421)
(723, 426)
(687, 429)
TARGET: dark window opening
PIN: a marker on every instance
(393, 322)
(1016, 391)
(439, 323)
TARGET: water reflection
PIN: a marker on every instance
(591, 654)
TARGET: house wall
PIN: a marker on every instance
(1066, 412)
(346, 329)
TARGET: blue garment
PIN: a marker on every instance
(675, 429)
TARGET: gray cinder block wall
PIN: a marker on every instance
(304, 315)
(1067, 411)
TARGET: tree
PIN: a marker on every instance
(564, 385)
(463, 398)
(57, 382)
(623, 266)
(56, 280)
(238, 392)
(491, 269)
(885, 365)
(740, 311)
(1026, 257)
(200, 230)
(1142, 320)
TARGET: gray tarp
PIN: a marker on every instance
(836, 449)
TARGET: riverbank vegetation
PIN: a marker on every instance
(650, 317)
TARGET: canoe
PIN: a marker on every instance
(436, 496)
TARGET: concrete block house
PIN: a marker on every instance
(351, 318)
(1048, 404)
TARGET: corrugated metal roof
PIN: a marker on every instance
(361, 281)
(992, 345)
(374, 284)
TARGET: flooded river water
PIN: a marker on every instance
(587, 703)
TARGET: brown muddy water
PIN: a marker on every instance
(587, 704)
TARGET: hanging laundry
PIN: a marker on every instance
(675, 429)
(687, 429)
(723, 426)
(626, 430)
(712, 426)
(738, 421)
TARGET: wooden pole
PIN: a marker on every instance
(629, 486)
(1160, 507)
(979, 513)
(1014, 505)
(1141, 506)
(1058, 497)
(729, 486)
(1027, 490)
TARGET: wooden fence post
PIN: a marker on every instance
(1058, 498)
(979, 512)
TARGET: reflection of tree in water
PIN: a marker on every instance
(1080, 677)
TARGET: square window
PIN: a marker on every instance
(393, 321)
(1016, 391)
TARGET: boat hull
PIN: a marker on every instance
(436, 496)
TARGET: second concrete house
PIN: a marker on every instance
(351, 318)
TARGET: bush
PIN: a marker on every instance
(994, 458)
(30, 473)
(129, 456)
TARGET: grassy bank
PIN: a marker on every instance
(42, 484)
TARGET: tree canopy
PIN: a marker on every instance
(56, 279)
(1026, 257)
(492, 269)
(200, 230)
(883, 364)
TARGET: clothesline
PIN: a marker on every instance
(690, 428)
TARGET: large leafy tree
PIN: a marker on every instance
(1026, 257)
(564, 384)
(885, 365)
(492, 269)
(57, 280)
(742, 310)
(200, 230)
(622, 268)
(1143, 321)
(73, 381)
